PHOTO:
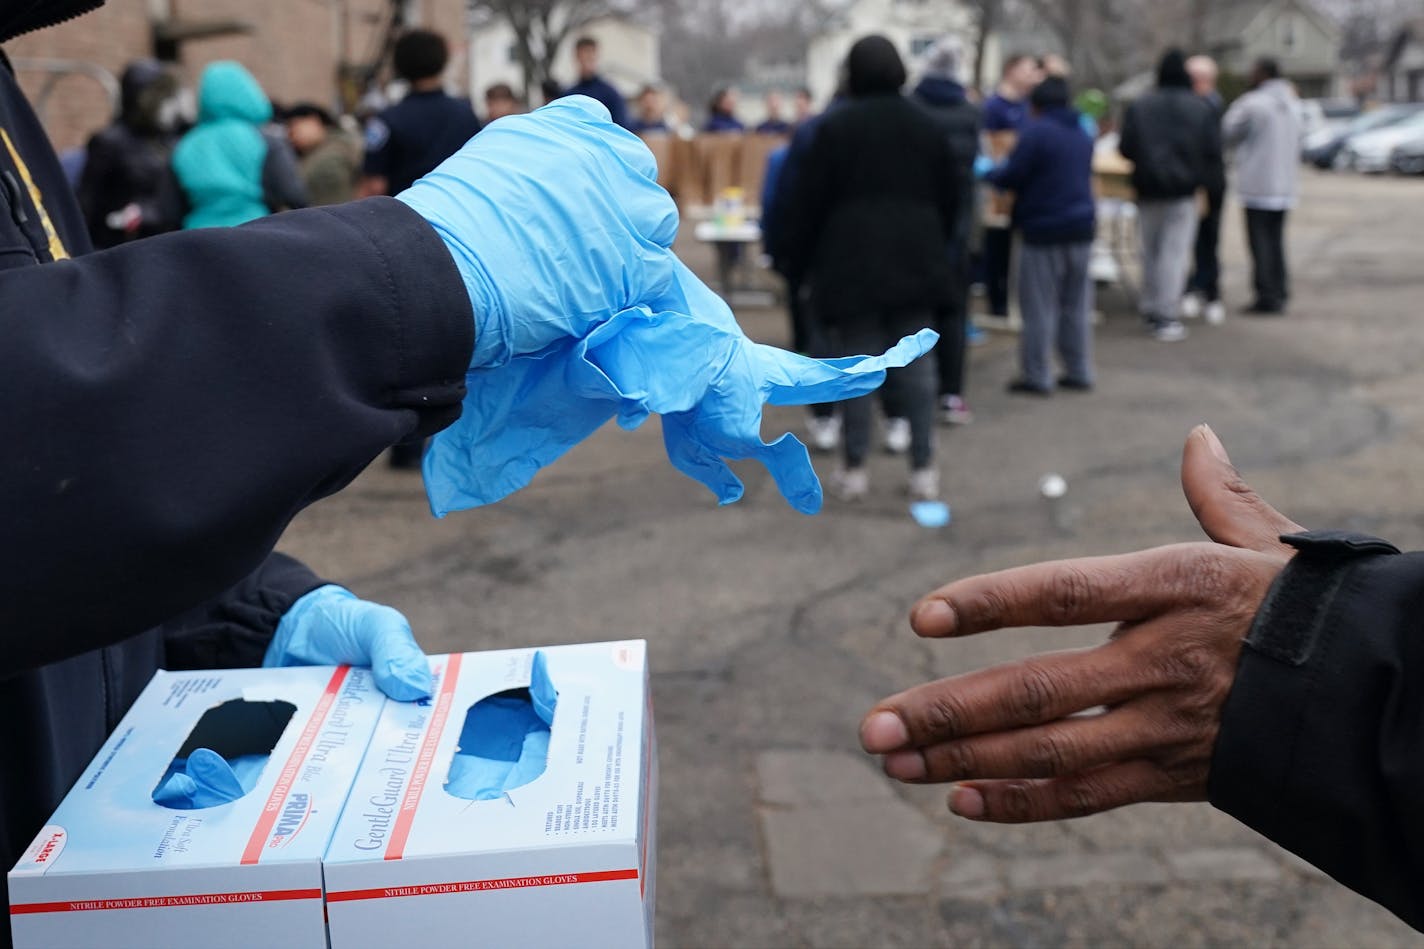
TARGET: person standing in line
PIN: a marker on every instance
(228, 170)
(1204, 287)
(803, 107)
(593, 85)
(944, 97)
(1051, 172)
(774, 124)
(1006, 111)
(868, 222)
(126, 165)
(722, 112)
(330, 159)
(406, 141)
(500, 101)
(1172, 138)
(651, 114)
(1264, 128)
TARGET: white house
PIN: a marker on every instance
(630, 54)
(912, 25)
(1293, 32)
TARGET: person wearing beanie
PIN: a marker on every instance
(1173, 139)
(872, 211)
(1050, 172)
(943, 96)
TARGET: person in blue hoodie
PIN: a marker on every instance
(1051, 172)
(228, 170)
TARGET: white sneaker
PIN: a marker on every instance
(924, 484)
(852, 485)
(1191, 306)
(897, 435)
(825, 433)
(1170, 331)
(1216, 313)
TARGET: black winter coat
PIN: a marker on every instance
(960, 123)
(167, 407)
(123, 167)
(1173, 138)
(873, 211)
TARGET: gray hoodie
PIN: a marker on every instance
(1264, 127)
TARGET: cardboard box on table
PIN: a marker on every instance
(114, 869)
(565, 860)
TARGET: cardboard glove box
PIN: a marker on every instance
(566, 859)
(113, 868)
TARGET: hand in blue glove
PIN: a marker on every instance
(556, 222)
(331, 626)
(983, 164)
(504, 743)
(207, 779)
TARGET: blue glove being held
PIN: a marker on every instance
(584, 314)
(207, 779)
(331, 626)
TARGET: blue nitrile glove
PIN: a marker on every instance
(556, 222)
(207, 779)
(504, 743)
(331, 626)
(683, 357)
(983, 164)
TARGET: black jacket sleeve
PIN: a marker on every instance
(808, 202)
(233, 630)
(171, 404)
(1322, 738)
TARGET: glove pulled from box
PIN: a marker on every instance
(207, 779)
(505, 740)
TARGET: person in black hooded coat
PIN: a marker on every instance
(867, 225)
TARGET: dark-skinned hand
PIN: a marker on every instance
(1135, 719)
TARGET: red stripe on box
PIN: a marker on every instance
(438, 716)
(474, 886)
(165, 902)
(288, 774)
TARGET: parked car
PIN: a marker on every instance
(1323, 148)
(1370, 152)
(1408, 158)
(1320, 115)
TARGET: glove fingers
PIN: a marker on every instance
(398, 665)
(699, 463)
(797, 380)
(790, 465)
(216, 780)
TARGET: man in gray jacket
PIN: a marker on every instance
(1264, 127)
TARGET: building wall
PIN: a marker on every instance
(1307, 50)
(629, 52)
(294, 49)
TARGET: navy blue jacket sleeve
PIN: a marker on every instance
(1321, 746)
(1015, 173)
(171, 404)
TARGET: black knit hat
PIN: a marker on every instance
(1052, 93)
(874, 67)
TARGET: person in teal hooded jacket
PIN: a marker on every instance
(227, 169)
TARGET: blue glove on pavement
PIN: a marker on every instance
(207, 779)
(331, 626)
(556, 223)
(504, 743)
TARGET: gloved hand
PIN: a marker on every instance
(556, 222)
(207, 779)
(331, 626)
(504, 743)
(983, 164)
(682, 356)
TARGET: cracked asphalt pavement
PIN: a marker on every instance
(771, 633)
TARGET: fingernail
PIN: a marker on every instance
(1213, 443)
(883, 732)
(933, 618)
(966, 802)
(905, 766)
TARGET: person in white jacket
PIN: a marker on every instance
(1264, 128)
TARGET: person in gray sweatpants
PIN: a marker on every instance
(1168, 229)
(1051, 174)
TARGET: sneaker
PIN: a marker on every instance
(1024, 387)
(1264, 309)
(1191, 306)
(1070, 384)
(825, 433)
(975, 336)
(955, 411)
(1169, 331)
(897, 436)
(1215, 313)
(924, 484)
(851, 485)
